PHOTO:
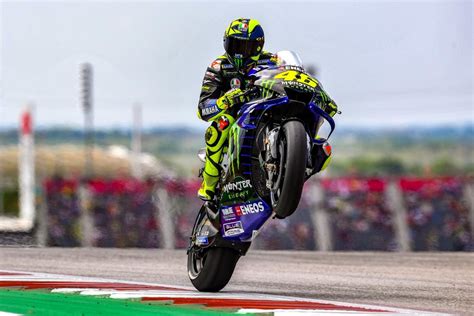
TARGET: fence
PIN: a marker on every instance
(334, 214)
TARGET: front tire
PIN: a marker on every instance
(293, 153)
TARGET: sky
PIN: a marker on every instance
(386, 63)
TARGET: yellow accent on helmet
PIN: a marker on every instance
(252, 24)
(243, 26)
(243, 42)
(255, 58)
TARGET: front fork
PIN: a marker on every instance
(271, 162)
(319, 156)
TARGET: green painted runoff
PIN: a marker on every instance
(35, 302)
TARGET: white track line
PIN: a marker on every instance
(188, 292)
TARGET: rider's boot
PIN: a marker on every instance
(216, 137)
(208, 186)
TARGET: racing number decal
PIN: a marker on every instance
(293, 75)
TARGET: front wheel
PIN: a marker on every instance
(293, 152)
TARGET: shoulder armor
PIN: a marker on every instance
(216, 64)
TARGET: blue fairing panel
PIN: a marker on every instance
(238, 221)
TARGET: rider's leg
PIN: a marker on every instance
(216, 137)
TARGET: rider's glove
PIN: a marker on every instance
(231, 98)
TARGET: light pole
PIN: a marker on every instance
(87, 85)
(136, 142)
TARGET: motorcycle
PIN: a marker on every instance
(272, 150)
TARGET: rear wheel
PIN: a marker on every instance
(209, 269)
(212, 271)
(293, 152)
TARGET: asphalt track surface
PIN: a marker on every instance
(442, 282)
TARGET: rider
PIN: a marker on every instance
(224, 87)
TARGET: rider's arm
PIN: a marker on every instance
(213, 101)
(211, 91)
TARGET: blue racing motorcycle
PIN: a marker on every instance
(272, 150)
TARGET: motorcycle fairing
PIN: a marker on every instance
(245, 118)
(240, 220)
(242, 210)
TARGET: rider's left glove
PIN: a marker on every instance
(231, 98)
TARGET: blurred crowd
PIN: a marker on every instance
(63, 212)
(126, 213)
(122, 213)
(438, 217)
(359, 213)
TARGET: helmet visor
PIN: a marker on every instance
(246, 48)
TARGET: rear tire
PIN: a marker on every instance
(215, 270)
(293, 167)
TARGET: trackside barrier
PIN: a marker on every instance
(469, 198)
(26, 178)
(321, 219)
(394, 198)
(334, 214)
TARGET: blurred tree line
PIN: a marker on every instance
(367, 152)
(391, 166)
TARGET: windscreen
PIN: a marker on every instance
(289, 58)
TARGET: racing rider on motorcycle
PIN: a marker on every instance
(223, 88)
